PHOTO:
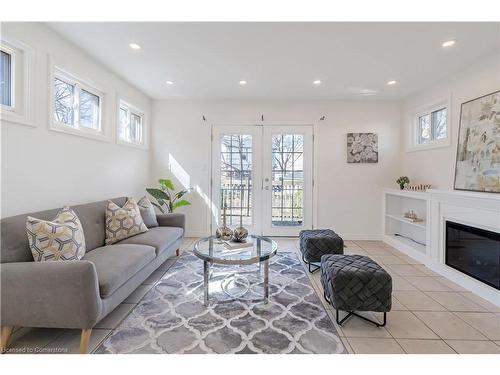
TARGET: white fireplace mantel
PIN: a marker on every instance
(480, 210)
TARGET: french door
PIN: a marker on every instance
(262, 178)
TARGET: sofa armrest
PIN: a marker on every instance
(52, 294)
(172, 220)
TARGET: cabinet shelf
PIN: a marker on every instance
(418, 224)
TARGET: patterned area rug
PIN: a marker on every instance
(172, 318)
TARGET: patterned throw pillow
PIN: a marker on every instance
(123, 222)
(147, 212)
(59, 239)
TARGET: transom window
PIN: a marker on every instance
(6, 78)
(430, 127)
(77, 105)
(131, 124)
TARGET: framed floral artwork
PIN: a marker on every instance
(362, 148)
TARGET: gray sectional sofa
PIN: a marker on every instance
(78, 294)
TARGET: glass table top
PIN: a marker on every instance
(256, 249)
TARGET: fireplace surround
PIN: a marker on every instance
(474, 252)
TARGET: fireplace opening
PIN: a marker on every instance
(474, 251)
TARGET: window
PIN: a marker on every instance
(130, 125)
(6, 88)
(431, 127)
(16, 84)
(77, 106)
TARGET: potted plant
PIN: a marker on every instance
(166, 197)
(401, 181)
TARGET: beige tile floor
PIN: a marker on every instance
(430, 314)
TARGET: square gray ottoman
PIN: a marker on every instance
(314, 243)
(356, 283)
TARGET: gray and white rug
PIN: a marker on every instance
(172, 318)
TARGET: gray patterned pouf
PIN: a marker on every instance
(314, 243)
(356, 283)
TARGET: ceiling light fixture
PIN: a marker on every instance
(243, 82)
(317, 82)
(391, 83)
(135, 46)
(169, 83)
(448, 43)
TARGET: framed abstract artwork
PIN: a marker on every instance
(478, 152)
(362, 148)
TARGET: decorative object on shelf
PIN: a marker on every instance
(224, 233)
(240, 234)
(478, 152)
(417, 187)
(166, 197)
(411, 216)
(402, 181)
(362, 148)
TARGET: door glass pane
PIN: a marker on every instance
(287, 180)
(236, 179)
(5, 79)
(89, 110)
(64, 96)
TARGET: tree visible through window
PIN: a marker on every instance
(75, 105)
(432, 126)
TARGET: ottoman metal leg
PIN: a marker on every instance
(310, 265)
(352, 313)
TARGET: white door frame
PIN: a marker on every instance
(308, 190)
(257, 129)
(217, 132)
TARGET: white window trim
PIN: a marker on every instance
(414, 126)
(100, 135)
(21, 112)
(136, 110)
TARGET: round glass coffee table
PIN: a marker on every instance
(214, 251)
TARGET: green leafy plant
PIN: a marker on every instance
(167, 199)
(401, 181)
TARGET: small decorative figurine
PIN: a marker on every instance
(224, 233)
(240, 234)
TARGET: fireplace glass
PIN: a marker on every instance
(474, 251)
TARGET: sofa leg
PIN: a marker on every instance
(6, 332)
(84, 340)
(177, 252)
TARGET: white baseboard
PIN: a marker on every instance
(360, 237)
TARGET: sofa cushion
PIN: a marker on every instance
(59, 239)
(115, 264)
(160, 238)
(147, 212)
(123, 222)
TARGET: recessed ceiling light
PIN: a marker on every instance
(448, 43)
(317, 82)
(391, 83)
(135, 46)
(169, 82)
(243, 82)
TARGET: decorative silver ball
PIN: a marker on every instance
(240, 234)
(224, 233)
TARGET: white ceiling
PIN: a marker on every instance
(280, 60)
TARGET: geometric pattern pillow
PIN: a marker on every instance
(147, 212)
(123, 222)
(59, 239)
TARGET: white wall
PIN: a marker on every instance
(44, 169)
(437, 166)
(349, 194)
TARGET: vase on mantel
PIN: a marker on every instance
(224, 233)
